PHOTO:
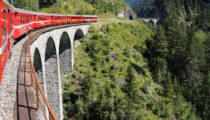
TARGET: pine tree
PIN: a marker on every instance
(169, 90)
(132, 90)
(206, 97)
(87, 87)
(160, 54)
(196, 70)
(206, 83)
(176, 36)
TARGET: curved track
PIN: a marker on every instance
(8, 86)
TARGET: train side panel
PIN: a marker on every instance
(24, 24)
(5, 14)
(1, 30)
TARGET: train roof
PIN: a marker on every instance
(8, 3)
(47, 14)
(36, 13)
(89, 15)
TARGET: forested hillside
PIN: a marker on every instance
(194, 12)
(145, 9)
(112, 80)
(181, 54)
(179, 50)
(133, 2)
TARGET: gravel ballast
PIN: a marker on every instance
(8, 85)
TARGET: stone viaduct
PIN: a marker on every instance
(154, 21)
(52, 53)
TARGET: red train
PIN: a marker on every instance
(17, 22)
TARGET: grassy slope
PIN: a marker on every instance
(105, 54)
(118, 40)
(68, 7)
(106, 11)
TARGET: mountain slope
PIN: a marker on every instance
(111, 79)
(194, 12)
(133, 2)
(145, 9)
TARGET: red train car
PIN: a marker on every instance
(17, 22)
(23, 23)
(6, 39)
(76, 19)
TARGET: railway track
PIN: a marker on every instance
(25, 107)
(29, 90)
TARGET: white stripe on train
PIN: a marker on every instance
(3, 47)
(19, 26)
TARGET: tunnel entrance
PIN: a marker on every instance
(52, 83)
(130, 17)
(65, 53)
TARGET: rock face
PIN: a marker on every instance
(133, 2)
(126, 13)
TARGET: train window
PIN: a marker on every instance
(21, 19)
(4, 27)
(11, 22)
(4, 32)
(17, 16)
(4, 12)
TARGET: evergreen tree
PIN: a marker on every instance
(196, 70)
(169, 90)
(87, 87)
(176, 36)
(160, 54)
(157, 54)
(132, 90)
(206, 83)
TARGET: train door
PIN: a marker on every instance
(9, 29)
(4, 37)
(4, 32)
